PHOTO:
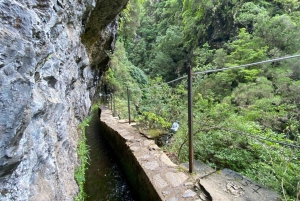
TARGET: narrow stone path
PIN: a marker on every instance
(173, 182)
(169, 180)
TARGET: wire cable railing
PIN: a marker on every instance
(189, 89)
(247, 65)
(261, 139)
(222, 69)
(165, 83)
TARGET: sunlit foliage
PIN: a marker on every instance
(245, 119)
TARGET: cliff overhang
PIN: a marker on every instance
(52, 56)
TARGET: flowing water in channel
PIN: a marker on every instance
(105, 180)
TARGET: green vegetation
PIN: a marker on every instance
(82, 151)
(83, 154)
(244, 119)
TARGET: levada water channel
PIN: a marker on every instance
(105, 180)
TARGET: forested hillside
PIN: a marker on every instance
(245, 119)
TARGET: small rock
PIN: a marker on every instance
(165, 193)
(189, 193)
(173, 199)
(145, 157)
(188, 184)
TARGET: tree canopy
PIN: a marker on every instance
(243, 118)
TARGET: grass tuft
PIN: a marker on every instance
(83, 154)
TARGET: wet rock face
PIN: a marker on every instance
(47, 79)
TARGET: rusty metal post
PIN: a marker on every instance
(190, 120)
(111, 97)
(128, 97)
(114, 105)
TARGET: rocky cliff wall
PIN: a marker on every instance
(52, 55)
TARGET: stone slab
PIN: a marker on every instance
(201, 169)
(176, 179)
(152, 165)
(166, 160)
(228, 185)
(189, 193)
(159, 181)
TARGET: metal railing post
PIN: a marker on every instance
(114, 105)
(128, 98)
(190, 120)
(111, 101)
